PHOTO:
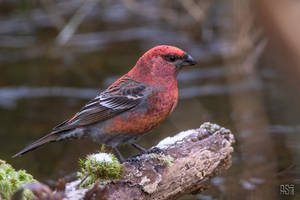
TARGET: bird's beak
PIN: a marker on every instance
(188, 60)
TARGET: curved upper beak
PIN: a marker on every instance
(188, 60)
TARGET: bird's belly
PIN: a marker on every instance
(136, 123)
(141, 120)
(114, 139)
(125, 128)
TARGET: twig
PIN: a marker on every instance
(197, 12)
(69, 29)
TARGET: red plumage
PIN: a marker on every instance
(131, 106)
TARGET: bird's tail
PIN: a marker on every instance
(51, 137)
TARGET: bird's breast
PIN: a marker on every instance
(151, 112)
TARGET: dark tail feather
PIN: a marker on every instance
(48, 138)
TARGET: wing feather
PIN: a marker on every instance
(123, 95)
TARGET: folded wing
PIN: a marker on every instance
(123, 95)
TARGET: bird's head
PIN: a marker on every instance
(169, 56)
(162, 61)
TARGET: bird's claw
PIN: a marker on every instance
(155, 150)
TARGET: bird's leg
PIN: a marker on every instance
(140, 148)
(119, 154)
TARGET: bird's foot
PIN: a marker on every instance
(144, 151)
(121, 158)
(140, 148)
(155, 150)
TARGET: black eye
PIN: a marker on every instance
(171, 58)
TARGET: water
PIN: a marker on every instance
(42, 83)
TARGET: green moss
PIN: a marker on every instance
(11, 180)
(167, 160)
(99, 167)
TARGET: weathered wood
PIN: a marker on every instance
(176, 166)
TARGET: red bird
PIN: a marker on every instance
(131, 106)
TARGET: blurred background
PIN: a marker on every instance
(54, 55)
